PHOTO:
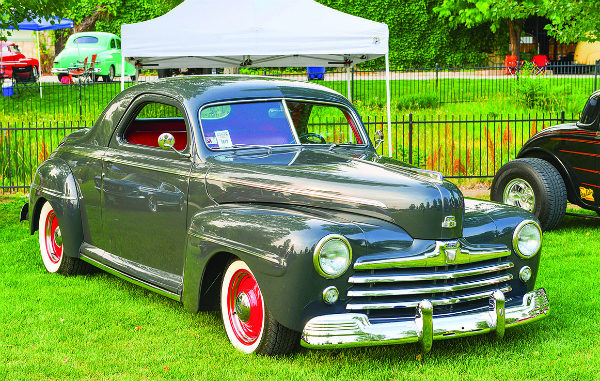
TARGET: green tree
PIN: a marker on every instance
(13, 12)
(574, 20)
(475, 12)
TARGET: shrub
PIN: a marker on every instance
(532, 91)
(418, 101)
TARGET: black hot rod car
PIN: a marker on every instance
(233, 192)
(556, 165)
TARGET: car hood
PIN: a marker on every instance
(364, 184)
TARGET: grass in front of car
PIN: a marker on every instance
(99, 327)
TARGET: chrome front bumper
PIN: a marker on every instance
(351, 329)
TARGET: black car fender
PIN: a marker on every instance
(277, 244)
(530, 150)
(54, 182)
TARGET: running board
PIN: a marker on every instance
(136, 281)
(583, 216)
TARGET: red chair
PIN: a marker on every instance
(78, 71)
(511, 65)
(540, 62)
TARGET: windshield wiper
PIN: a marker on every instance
(268, 148)
(334, 145)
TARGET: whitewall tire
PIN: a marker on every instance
(50, 237)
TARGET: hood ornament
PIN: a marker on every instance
(449, 222)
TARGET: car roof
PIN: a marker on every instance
(198, 90)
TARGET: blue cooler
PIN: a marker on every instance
(7, 91)
(315, 73)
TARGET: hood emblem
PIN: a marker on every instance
(449, 222)
(451, 249)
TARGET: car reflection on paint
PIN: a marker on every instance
(145, 192)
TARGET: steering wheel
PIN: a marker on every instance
(312, 138)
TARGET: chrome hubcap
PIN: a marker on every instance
(519, 193)
(58, 237)
(242, 307)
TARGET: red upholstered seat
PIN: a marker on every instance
(146, 132)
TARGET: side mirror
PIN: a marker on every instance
(378, 138)
(166, 141)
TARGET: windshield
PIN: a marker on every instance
(10, 49)
(275, 123)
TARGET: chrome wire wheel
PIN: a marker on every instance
(519, 192)
(50, 237)
(242, 307)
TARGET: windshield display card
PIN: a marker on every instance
(223, 139)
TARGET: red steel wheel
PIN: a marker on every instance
(50, 237)
(242, 307)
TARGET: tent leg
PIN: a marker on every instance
(39, 62)
(349, 83)
(388, 104)
(122, 72)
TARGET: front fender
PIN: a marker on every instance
(277, 243)
(54, 182)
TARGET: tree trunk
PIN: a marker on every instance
(514, 29)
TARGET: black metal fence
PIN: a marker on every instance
(467, 147)
(74, 102)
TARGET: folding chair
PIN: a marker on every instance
(79, 71)
(24, 79)
(511, 65)
(540, 62)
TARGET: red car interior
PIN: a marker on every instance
(146, 132)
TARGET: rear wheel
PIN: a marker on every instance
(534, 185)
(111, 75)
(248, 322)
(51, 245)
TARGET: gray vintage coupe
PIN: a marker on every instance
(266, 198)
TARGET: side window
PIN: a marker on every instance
(153, 119)
(118, 43)
(113, 44)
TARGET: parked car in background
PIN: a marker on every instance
(231, 193)
(105, 46)
(556, 165)
(11, 56)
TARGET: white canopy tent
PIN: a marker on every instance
(255, 33)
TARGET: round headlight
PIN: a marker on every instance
(527, 239)
(332, 256)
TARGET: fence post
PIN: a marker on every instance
(410, 137)
(596, 75)
(352, 83)
(80, 110)
(562, 117)
(437, 71)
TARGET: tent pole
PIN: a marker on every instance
(122, 72)
(388, 104)
(348, 82)
(39, 62)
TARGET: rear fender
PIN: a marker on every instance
(54, 182)
(277, 244)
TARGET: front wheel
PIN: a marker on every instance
(51, 245)
(248, 322)
(534, 185)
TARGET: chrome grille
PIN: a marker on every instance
(396, 290)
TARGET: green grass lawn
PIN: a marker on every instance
(99, 327)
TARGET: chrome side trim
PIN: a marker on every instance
(454, 274)
(128, 278)
(52, 192)
(444, 253)
(315, 193)
(354, 329)
(240, 247)
(415, 303)
(430, 289)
